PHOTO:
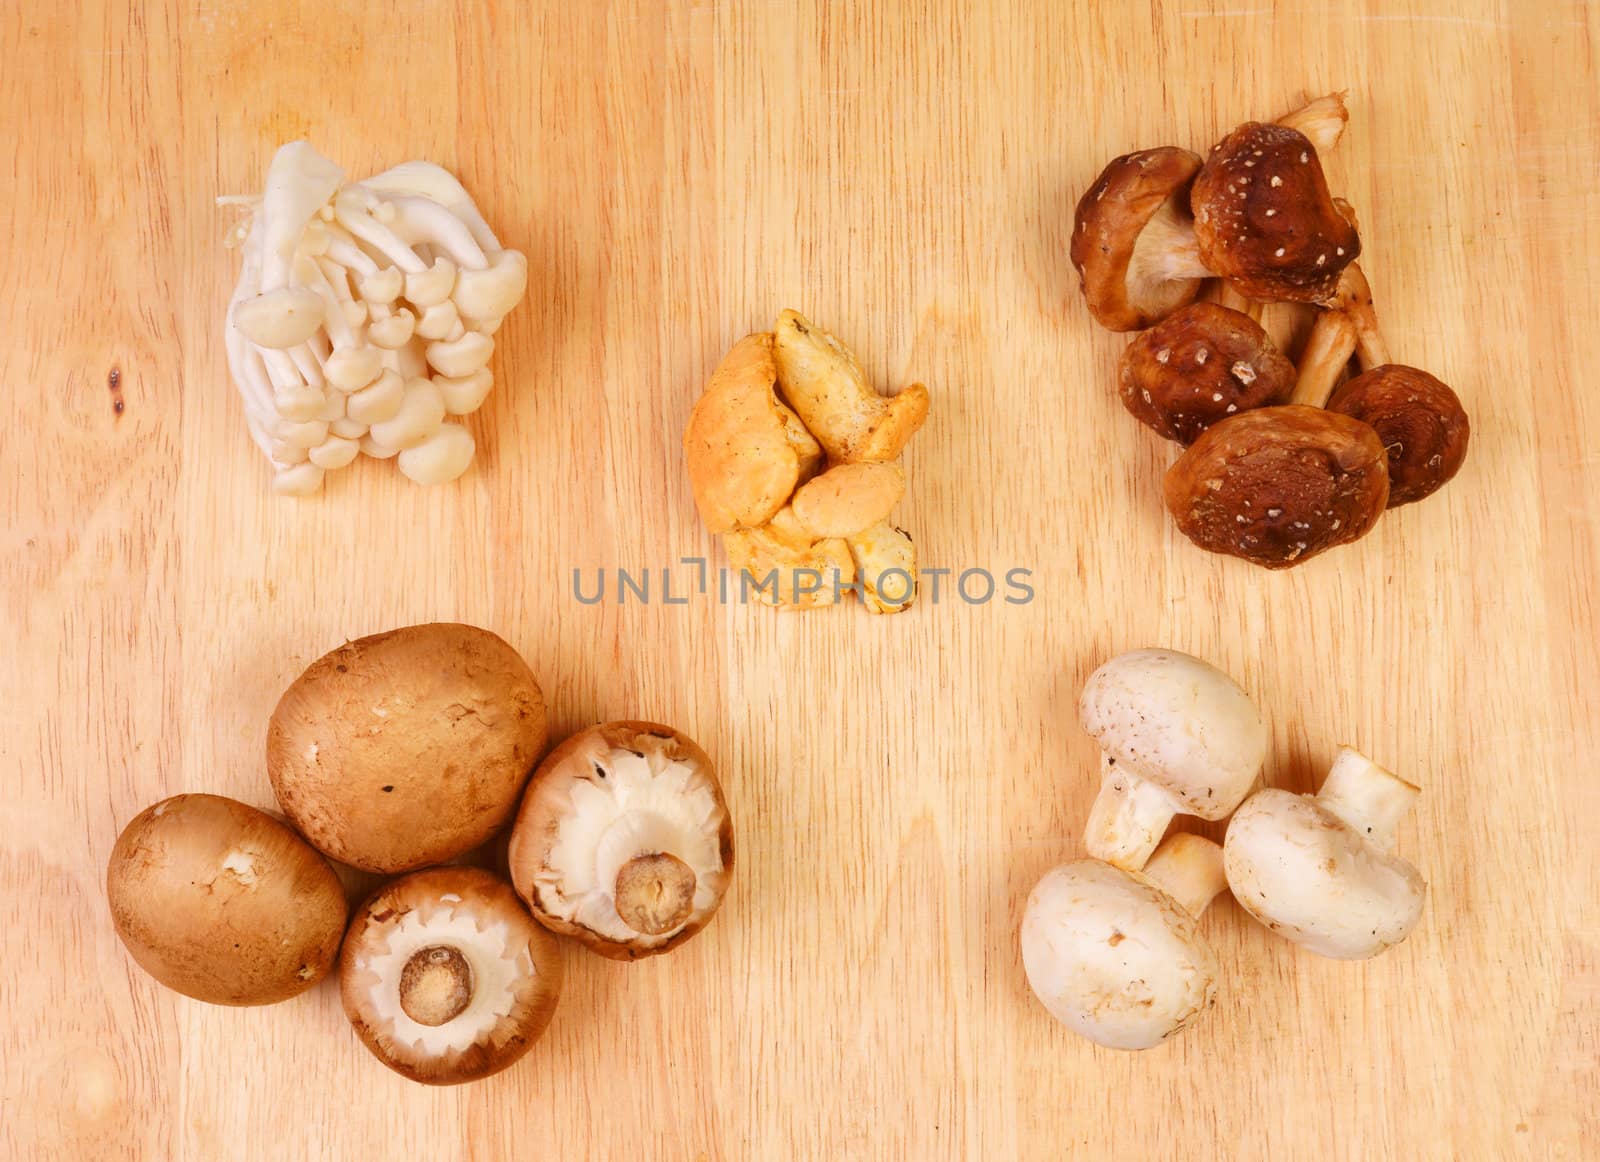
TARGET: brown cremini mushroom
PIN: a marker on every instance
(623, 841)
(1264, 219)
(1133, 242)
(445, 976)
(406, 748)
(1198, 366)
(222, 902)
(1420, 421)
(1279, 485)
(745, 450)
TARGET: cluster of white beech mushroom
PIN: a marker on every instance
(1111, 944)
(1280, 463)
(792, 457)
(364, 318)
(394, 754)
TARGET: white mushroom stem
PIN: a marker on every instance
(1369, 799)
(421, 220)
(356, 210)
(1167, 249)
(1322, 121)
(1189, 869)
(1129, 817)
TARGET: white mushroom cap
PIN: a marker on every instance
(462, 356)
(440, 458)
(421, 412)
(1179, 735)
(1113, 956)
(380, 400)
(465, 395)
(1318, 872)
(281, 318)
(353, 368)
(490, 294)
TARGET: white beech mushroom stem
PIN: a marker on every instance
(1328, 350)
(1128, 818)
(1368, 798)
(1189, 869)
(655, 893)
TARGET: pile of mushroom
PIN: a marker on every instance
(1280, 464)
(396, 753)
(364, 316)
(1110, 944)
(792, 457)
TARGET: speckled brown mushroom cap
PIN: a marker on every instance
(1197, 367)
(445, 976)
(1132, 241)
(1264, 219)
(1420, 421)
(599, 814)
(1279, 485)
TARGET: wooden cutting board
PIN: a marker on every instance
(904, 174)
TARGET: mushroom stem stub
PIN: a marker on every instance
(1189, 869)
(1128, 819)
(655, 893)
(1369, 799)
(435, 985)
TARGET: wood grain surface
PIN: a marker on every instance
(904, 173)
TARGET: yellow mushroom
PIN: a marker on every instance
(783, 564)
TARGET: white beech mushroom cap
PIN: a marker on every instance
(1179, 736)
(1115, 957)
(342, 284)
(445, 976)
(623, 840)
(1318, 870)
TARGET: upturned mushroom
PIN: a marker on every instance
(446, 978)
(1279, 485)
(1264, 219)
(1198, 366)
(1178, 736)
(1319, 870)
(1117, 956)
(1133, 240)
(623, 840)
(222, 902)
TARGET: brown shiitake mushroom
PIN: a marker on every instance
(623, 840)
(222, 902)
(1420, 421)
(1264, 219)
(446, 977)
(1133, 243)
(1198, 366)
(406, 748)
(1279, 485)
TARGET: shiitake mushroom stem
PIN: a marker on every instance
(655, 893)
(435, 985)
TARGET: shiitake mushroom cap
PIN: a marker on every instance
(1421, 422)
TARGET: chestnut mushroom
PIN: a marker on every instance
(446, 978)
(1264, 219)
(623, 841)
(1198, 366)
(1133, 243)
(1421, 422)
(1279, 485)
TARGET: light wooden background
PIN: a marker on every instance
(905, 174)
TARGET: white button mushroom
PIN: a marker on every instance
(1318, 871)
(1116, 956)
(440, 458)
(1179, 736)
(421, 412)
